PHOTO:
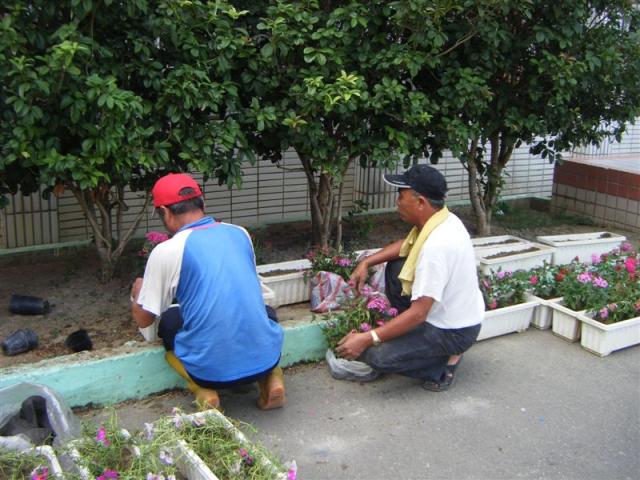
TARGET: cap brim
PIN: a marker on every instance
(396, 181)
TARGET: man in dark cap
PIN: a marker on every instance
(221, 335)
(431, 279)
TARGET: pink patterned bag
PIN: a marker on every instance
(328, 291)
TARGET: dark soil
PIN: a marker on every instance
(69, 279)
(517, 252)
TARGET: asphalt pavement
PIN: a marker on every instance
(526, 405)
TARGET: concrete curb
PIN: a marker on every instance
(137, 369)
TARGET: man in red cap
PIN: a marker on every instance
(431, 280)
(220, 334)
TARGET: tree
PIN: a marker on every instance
(103, 95)
(333, 82)
(553, 75)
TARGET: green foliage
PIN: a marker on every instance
(503, 288)
(101, 95)
(554, 76)
(357, 226)
(16, 465)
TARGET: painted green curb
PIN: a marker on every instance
(137, 369)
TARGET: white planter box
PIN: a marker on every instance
(543, 314)
(501, 321)
(582, 245)
(603, 339)
(565, 322)
(190, 464)
(482, 243)
(290, 287)
(518, 257)
(199, 473)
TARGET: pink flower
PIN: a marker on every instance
(101, 437)
(612, 307)
(486, 283)
(367, 291)
(595, 259)
(600, 282)
(39, 473)
(493, 305)
(626, 247)
(379, 323)
(246, 458)
(604, 313)
(378, 304)
(500, 275)
(343, 262)
(584, 277)
(392, 312)
(533, 280)
(156, 237)
(365, 327)
(630, 264)
(108, 474)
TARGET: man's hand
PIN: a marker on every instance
(135, 289)
(353, 344)
(359, 276)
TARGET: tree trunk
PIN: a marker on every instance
(109, 248)
(475, 190)
(321, 203)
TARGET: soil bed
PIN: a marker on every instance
(69, 280)
(508, 254)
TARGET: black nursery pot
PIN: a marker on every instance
(20, 341)
(27, 305)
(79, 341)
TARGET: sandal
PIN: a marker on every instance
(447, 380)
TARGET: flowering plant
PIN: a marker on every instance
(108, 452)
(362, 314)
(219, 447)
(503, 288)
(333, 261)
(15, 465)
(151, 240)
(544, 280)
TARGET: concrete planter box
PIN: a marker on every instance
(288, 288)
(582, 245)
(516, 257)
(543, 315)
(603, 339)
(565, 322)
(515, 318)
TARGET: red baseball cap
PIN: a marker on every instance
(166, 191)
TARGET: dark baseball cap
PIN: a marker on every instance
(424, 179)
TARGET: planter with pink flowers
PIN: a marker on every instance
(602, 339)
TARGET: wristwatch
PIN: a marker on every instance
(376, 338)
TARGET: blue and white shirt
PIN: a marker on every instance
(210, 268)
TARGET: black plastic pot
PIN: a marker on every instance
(27, 305)
(20, 341)
(79, 341)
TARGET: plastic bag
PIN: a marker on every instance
(328, 292)
(342, 369)
(15, 413)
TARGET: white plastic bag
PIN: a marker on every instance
(353, 370)
(61, 419)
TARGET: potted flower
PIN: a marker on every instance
(506, 308)
(614, 323)
(543, 287)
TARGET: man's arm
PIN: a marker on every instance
(141, 317)
(353, 344)
(361, 272)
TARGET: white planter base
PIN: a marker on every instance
(515, 257)
(566, 323)
(501, 321)
(543, 315)
(603, 339)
